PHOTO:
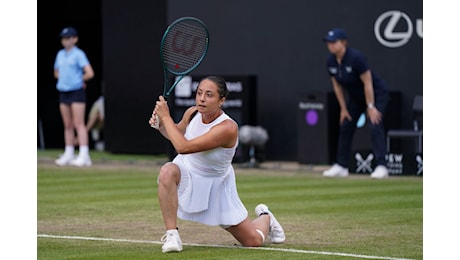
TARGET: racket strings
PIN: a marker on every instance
(184, 46)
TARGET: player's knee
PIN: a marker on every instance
(168, 174)
(255, 240)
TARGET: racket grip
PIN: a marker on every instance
(156, 124)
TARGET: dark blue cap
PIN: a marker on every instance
(335, 34)
(68, 32)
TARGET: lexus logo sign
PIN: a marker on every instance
(387, 34)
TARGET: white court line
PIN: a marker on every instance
(223, 246)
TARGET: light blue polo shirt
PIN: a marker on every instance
(70, 66)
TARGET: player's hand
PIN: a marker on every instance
(154, 120)
(160, 111)
(161, 108)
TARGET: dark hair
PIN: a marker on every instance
(221, 85)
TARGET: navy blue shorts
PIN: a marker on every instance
(75, 96)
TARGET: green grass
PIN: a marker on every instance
(116, 198)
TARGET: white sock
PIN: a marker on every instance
(84, 150)
(69, 150)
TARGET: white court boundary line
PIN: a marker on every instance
(223, 246)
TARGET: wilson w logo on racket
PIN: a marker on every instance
(183, 47)
(181, 43)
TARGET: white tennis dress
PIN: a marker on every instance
(207, 190)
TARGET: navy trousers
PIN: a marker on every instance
(347, 130)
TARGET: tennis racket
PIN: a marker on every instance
(183, 47)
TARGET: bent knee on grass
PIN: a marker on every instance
(246, 234)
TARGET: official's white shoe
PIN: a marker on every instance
(275, 232)
(64, 159)
(380, 172)
(336, 171)
(172, 240)
(81, 161)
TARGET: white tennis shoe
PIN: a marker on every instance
(64, 159)
(172, 240)
(380, 172)
(275, 232)
(336, 171)
(81, 161)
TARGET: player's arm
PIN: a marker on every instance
(223, 134)
(182, 124)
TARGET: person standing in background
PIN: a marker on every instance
(72, 69)
(350, 74)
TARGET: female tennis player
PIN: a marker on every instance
(199, 184)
